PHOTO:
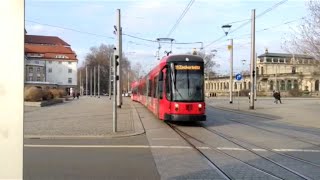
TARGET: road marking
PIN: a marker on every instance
(106, 146)
(257, 149)
(203, 147)
(231, 149)
(163, 147)
(170, 139)
(296, 150)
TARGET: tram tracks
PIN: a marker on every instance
(264, 129)
(186, 136)
(298, 175)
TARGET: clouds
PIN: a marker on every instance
(37, 29)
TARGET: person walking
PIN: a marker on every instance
(274, 93)
(279, 97)
(78, 94)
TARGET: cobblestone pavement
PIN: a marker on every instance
(87, 116)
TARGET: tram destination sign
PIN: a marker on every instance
(187, 67)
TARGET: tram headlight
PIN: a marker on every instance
(176, 107)
(200, 106)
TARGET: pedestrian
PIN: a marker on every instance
(249, 96)
(78, 94)
(279, 97)
(275, 96)
(74, 95)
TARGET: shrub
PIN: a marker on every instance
(295, 92)
(62, 93)
(244, 92)
(33, 94)
(47, 94)
(55, 93)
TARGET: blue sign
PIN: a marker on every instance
(238, 77)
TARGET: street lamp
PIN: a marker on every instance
(226, 28)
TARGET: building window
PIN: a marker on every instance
(269, 60)
(37, 62)
(50, 62)
(38, 79)
(69, 70)
(316, 85)
(257, 71)
(69, 62)
(60, 62)
(261, 70)
(38, 70)
(281, 60)
(30, 78)
(295, 84)
(293, 70)
(271, 85)
(30, 69)
(283, 85)
(235, 86)
(289, 85)
(69, 80)
(50, 70)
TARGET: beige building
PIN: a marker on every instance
(291, 74)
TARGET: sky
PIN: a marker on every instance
(87, 23)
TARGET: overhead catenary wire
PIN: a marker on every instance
(71, 29)
(181, 17)
(248, 22)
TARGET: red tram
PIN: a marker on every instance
(134, 91)
(174, 89)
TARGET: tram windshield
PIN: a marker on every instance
(187, 81)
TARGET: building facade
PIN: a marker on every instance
(291, 74)
(49, 62)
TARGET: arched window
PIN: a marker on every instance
(289, 85)
(227, 85)
(295, 84)
(240, 86)
(235, 86)
(221, 86)
(257, 71)
(215, 86)
(271, 85)
(261, 70)
(282, 85)
(293, 70)
(316, 85)
(244, 85)
(249, 84)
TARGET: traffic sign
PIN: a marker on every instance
(238, 77)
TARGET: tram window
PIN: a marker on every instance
(155, 84)
(149, 88)
(167, 81)
(160, 87)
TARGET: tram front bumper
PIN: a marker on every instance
(179, 117)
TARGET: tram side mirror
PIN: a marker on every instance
(161, 76)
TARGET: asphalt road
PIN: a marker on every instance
(242, 145)
(88, 159)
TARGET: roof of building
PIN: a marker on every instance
(285, 55)
(50, 52)
(53, 40)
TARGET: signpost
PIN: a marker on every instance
(239, 81)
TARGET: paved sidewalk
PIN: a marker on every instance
(300, 111)
(88, 117)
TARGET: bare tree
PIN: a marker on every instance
(306, 39)
(102, 55)
(209, 63)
